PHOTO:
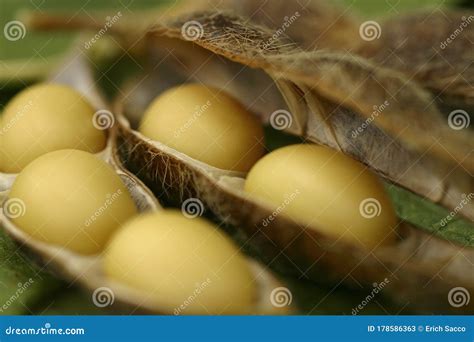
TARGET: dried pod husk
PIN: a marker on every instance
(78, 76)
(418, 259)
(331, 77)
(87, 270)
(434, 48)
(312, 24)
(373, 114)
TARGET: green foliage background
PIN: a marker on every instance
(27, 60)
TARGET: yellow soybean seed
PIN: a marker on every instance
(72, 199)
(45, 118)
(325, 189)
(206, 124)
(171, 258)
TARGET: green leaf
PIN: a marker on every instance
(429, 216)
(31, 55)
(22, 283)
(71, 301)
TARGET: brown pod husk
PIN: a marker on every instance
(418, 259)
(347, 80)
(312, 24)
(77, 75)
(331, 94)
(434, 48)
(318, 88)
(331, 77)
(86, 270)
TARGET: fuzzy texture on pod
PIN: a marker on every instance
(325, 190)
(206, 124)
(418, 258)
(45, 118)
(332, 94)
(72, 199)
(182, 263)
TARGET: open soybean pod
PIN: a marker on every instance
(435, 49)
(323, 96)
(51, 116)
(73, 211)
(340, 88)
